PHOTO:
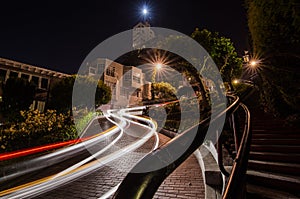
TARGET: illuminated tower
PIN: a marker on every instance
(141, 34)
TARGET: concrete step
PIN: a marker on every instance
(277, 157)
(264, 130)
(260, 192)
(271, 141)
(276, 136)
(275, 148)
(280, 182)
(277, 167)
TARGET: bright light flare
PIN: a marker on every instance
(235, 81)
(160, 61)
(145, 11)
(158, 66)
(253, 63)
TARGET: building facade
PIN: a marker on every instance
(41, 77)
(141, 34)
(127, 83)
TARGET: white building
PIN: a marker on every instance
(141, 33)
(127, 83)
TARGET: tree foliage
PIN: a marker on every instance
(275, 33)
(222, 51)
(61, 92)
(18, 94)
(35, 128)
(164, 91)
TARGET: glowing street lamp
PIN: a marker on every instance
(253, 63)
(157, 66)
(235, 81)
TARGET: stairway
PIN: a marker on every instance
(274, 161)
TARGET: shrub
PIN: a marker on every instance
(36, 128)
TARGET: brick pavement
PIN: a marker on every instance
(185, 182)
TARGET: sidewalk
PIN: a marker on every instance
(185, 182)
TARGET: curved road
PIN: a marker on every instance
(118, 152)
(98, 175)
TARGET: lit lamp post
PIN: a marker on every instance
(253, 65)
(157, 67)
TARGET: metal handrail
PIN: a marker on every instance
(145, 184)
(237, 138)
(220, 159)
(235, 186)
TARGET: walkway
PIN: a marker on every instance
(185, 182)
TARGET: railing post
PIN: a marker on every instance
(220, 155)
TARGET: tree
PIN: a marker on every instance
(103, 94)
(222, 51)
(275, 33)
(61, 93)
(164, 91)
(18, 94)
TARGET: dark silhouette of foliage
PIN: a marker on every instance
(61, 93)
(222, 51)
(275, 33)
(18, 94)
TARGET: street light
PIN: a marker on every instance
(235, 81)
(253, 63)
(243, 81)
(157, 66)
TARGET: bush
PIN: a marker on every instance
(35, 128)
(84, 117)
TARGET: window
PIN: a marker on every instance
(127, 76)
(2, 75)
(44, 83)
(13, 74)
(100, 68)
(110, 71)
(35, 80)
(92, 71)
(136, 79)
(25, 76)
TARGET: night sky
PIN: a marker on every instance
(59, 36)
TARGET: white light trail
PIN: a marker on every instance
(80, 169)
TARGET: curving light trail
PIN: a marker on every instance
(99, 152)
(55, 157)
(84, 167)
